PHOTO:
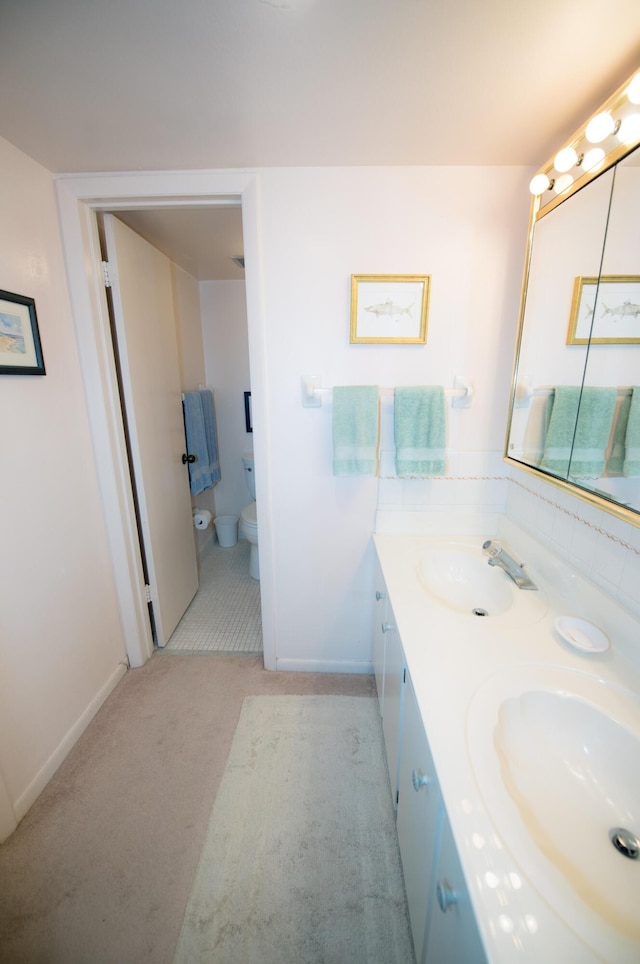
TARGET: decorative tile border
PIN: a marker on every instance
(577, 518)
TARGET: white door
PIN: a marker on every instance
(142, 294)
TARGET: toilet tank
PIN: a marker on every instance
(249, 474)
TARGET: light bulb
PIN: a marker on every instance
(563, 183)
(539, 184)
(593, 159)
(633, 90)
(599, 127)
(629, 129)
(565, 159)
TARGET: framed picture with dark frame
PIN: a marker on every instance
(20, 349)
(248, 421)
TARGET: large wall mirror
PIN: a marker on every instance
(575, 406)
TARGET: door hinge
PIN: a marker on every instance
(106, 273)
(147, 592)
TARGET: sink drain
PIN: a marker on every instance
(477, 611)
(625, 842)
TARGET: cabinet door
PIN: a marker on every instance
(418, 810)
(452, 936)
(379, 636)
(392, 704)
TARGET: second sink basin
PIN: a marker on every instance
(556, 756)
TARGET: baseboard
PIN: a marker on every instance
(37, 785)
(323, 666)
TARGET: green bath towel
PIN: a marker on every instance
(631, 466)
(419, 424)
(615, 462)
(579, 431)
(356, 430)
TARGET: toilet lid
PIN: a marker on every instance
(248, 514)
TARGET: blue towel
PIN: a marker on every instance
(211, 433)
(579, 430)
(631, 466)
(356, 430)
(195, 432)
(419, 425)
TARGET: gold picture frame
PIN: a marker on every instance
(605, 311)
(389, 309)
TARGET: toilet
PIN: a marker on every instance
(249, 519)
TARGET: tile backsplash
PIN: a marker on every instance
(480, 486)
(599, 545)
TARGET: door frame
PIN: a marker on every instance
(80, 198)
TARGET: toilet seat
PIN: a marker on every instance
(249, 526)
(249, 516)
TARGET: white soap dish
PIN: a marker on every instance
(582, 635)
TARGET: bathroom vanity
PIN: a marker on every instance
(513, 744)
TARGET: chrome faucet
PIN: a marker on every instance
(500, 557)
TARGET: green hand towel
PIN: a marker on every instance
(356, 430)
(631, 466)
(615, 462)
(419, 424)
(579, 431)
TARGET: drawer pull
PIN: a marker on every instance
(380, 595)
(447, 897)
(387, 627)
(419, 780)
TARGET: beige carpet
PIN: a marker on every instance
(101, 868)
(301, 862)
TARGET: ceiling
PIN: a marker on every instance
(134, 85)
(203, 241)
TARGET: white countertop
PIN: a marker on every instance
(450, 656)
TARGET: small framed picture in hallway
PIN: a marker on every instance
(247, 412)
(20, 349)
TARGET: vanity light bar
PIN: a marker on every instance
(609, 134)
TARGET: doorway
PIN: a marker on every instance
(195, 252)
(80, 198)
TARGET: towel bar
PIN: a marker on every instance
(313, 392)
(525, 390)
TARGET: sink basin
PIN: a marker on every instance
(459, 577)
(456, 573)
(556, 756)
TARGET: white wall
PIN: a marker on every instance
(226, 349)
(60, 637)
(465, 227)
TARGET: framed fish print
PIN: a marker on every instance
(389, 309)
(605, 311)
(20, 349)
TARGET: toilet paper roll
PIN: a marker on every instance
(202, 519)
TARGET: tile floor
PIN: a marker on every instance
(224, 616)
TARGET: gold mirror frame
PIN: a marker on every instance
(618, 105)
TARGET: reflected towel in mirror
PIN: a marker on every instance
(631, 465)
(579, 430)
